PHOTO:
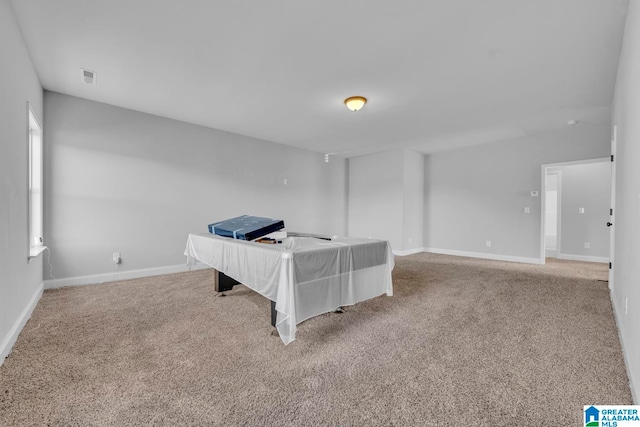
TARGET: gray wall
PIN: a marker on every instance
(585, 186)
(413, 203)
(386, 198)
(479, 193)
(19, 280)
(122, 181)
(626, 265)
(376, 197)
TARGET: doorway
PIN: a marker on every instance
(575, 203)
(552, 213)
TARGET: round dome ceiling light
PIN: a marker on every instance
(355, 103)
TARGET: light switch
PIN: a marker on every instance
(534, 193)
(580, 210)
(527, 209)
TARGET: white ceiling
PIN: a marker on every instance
(438, 74)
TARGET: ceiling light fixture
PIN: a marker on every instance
(355, 103)
(572, 122)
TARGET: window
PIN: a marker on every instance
(36, 245)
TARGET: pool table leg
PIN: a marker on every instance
(274, 314)
(222, 283)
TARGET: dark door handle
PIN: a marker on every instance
(609, 224)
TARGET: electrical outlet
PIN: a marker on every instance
(587, 245)
(581, 210)
(527, 209)
(117, 258)
(488, 243)
(285, 181)
(409, 239)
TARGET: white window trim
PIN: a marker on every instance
(34, 123)
(36, 251)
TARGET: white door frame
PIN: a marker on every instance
(612, 219)
(543, 195)
(552, 171)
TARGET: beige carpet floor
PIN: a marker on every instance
(463, 342)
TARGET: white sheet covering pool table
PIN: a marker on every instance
(305, 276)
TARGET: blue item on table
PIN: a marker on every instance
(246, 227)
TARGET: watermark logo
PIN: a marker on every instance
(592, 417)
(611, 415)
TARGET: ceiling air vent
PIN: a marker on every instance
(88, 76)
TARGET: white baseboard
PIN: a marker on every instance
(121, 275)
(586, 258)
(496, 257)
(7, 342)
(634, 380)
(408, 252)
